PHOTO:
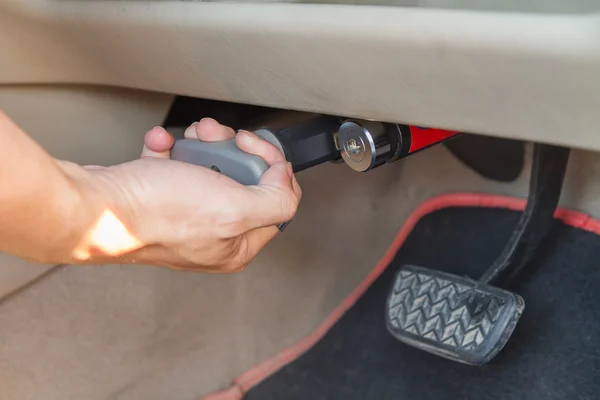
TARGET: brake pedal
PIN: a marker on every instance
(466, 320)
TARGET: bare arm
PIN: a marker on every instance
(41, 215)
(150, 211)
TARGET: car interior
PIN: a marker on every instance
(447, 239)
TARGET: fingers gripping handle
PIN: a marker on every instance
(225, 157)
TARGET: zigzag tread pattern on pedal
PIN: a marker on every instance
(451, 313)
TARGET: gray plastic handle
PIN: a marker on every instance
(226, 158)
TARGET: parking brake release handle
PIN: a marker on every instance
(225, 157)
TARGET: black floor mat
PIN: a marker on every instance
(554, 352)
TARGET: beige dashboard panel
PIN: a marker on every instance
(529, 6)
(532, 75)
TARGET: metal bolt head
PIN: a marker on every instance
(353, 146)
(363, 144)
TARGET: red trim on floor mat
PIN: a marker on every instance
(257, 374)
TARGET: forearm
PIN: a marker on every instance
(149, 211)
(42, 214)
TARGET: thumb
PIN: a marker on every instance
(279, 174)
(275, 199)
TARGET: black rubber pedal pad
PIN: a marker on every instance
(451, 316)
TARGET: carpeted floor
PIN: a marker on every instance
(554, 352)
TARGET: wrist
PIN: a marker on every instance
(104, 218)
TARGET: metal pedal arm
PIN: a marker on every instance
(547, 176)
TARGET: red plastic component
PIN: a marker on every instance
(425, 137)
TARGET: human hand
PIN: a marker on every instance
(168, 213)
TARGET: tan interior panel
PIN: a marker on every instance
(534, 76)
(16, 273)
(87, 125)
(529, 6)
